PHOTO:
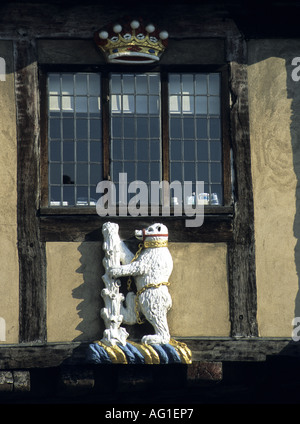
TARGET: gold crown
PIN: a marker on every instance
(132, 43)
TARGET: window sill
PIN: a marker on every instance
(84, 224)
(91, 210)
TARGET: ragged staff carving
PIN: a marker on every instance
(115, 253)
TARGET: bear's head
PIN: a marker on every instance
(153, 232)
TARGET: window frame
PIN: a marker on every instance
(105, 71)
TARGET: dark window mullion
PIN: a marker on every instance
(165, 127)
(106, 122)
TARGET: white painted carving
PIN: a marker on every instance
(151, 270)
(115, 253)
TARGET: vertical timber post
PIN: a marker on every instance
(32, 256)
(241, 250)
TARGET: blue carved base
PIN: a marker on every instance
(138, 353)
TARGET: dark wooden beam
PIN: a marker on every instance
(30, 355)
(215, 228)
(32, 257)
(241, 250)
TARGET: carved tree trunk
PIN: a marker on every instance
(111, 314)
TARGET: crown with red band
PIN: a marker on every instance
(132, 42)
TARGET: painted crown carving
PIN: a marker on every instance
(132, 43)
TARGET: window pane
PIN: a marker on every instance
(67, 104)
(155, 150)
(95, 173)
(214, 105)
(95, 129)
(128, 84)
(176, 171)
(176, 153)
(55, 173)
(82, 128)
(95, 152)
(216, 172)
(115, 84)
(67, 84)
(82, 196)
(141, 84)
(214, 128)
(202, 151)
(142, 127)
(201, 105)
(154, 85)
(188, 128)
(94, 106)
(202, 172)
(189, 150)
(54, 103)
(142, 104)
(68, 151)
(143, 150)
(175, 104)
(201, 84)
(54, 128)
(81, 84)
(195, 128)
(215, 150)
(128, 104)
(129, 150)
(116, 127)
(188, 84)
(82, 173)
(55, 151)
(81, 105)
(55, 196)
(217, 189)
(155, 171)
(135, 122)
(69, 195)
(74, 139)
(175, 128)
(214, 84)
(154, 127)
(117, 149)
(174, 84)
(54, 84)
(189, 172)
(154, 105)
(142, 171)
(201, 125)
(82, 151)
(68, 128)
(129, 127)
(68, 173)
(94, 85)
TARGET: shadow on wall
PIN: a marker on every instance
(91, 268)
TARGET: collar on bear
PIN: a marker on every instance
(155, 243)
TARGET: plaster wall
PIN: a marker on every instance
(274, 101)
(9, 283)
(198, 289)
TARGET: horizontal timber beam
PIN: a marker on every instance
(28, 355)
